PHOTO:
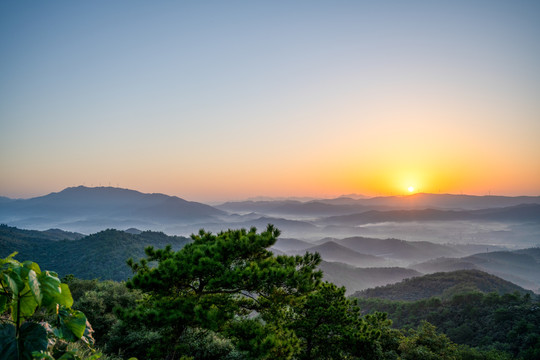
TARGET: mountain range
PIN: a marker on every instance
(522, 212)
(86, 209)
(356, 237)
(351, 206)
(91, 209)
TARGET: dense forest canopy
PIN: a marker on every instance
(227, 296)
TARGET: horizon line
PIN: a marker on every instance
(300, 198)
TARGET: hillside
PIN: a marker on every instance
(102, 255)
(332, 251)
(508, 322)
(442, 284)
(290, 244)
(398, 249)
(521, 213)
(356, 279)
(521, 267)
(15, 234)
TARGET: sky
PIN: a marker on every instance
(225, 100)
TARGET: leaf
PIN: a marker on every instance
(27, 307)
(65, 298)
(34, 286)
(72, 324)
(8, 342)
(50, 288)
(77, 323)
(33, 338)
(22, 272)
(10, 259)
(32, 266)
(13, 281)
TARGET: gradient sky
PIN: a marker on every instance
(215, 100)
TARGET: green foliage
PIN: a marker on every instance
(226, 296)
(329, 326)
(99, 299)
(426, 344)
(263, 340)
(228, 283)
(80, 255)
(24, 289)
(207, 345)
(442, 284)
(508, 323)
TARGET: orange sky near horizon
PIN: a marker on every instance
(217, 102)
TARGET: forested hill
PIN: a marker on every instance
(102, 255)
(509, 322)
(442, 284)
(13, 233)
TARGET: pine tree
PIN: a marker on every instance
(229, 283)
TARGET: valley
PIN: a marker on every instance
(363, 242)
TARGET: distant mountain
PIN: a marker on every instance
(315, 208)
(352, 196)
(522, 213)
(521, 267)
(101, 207)
(332, 251)
(282, 224)
(8, 232)
(442, 284)
(444, 264)
(133, 231)
(254, 205)
(448, 201)
(59, 234)
(102, 255)
(292, 228)
(398, 249)
(281, 198)
(532, 252)
(349, 205)
(288, 244)
(355, 278)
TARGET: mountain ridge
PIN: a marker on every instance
(97, 208)
(332, 251)
(442, 284)
(521, 212)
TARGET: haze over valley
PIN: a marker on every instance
(363, 242)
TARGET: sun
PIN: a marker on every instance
(411, 189)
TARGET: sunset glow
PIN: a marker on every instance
(222, 101)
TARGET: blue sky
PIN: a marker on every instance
(218, 100)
